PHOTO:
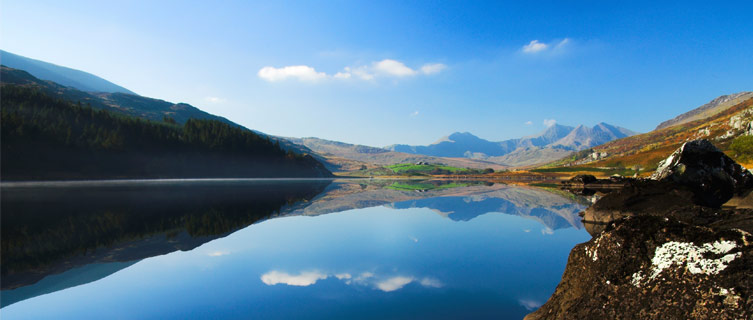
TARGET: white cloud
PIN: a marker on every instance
(549, 122)
(363, 277)
(361, 72)
(393, 68)
(528, 123)
(214, 100)
(414, 113)
(369, 279)
(535, 46)
(218, 253)
(432, 68)
(342, 75)
(303, 279)
(530, 304)
(430, 283)
(394, 283)
(553, 47)
(301, 73)
(547, 231)
(382, 68)
(342, 276)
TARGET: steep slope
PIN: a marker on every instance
(707, 110)
(584, 137)
(646, 150)
(129, 104)
(47, 138)
(546, 137)
(65, 76)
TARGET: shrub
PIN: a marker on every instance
(742, 148)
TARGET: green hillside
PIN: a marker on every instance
(45, 137)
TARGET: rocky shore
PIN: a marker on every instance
(676, 246)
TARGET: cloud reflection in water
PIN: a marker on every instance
(386, 284)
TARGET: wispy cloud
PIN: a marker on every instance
(387, 68)
(343, 276)
(528, 123)
(430, 283)
(549, 122)
(303, 279)
(530, 304)
(301, 73)
(214, 100)
(386, 284)
(432, 68)
(393, 68)
(218, 253)
(537, 47)
(394, 283)
(414, 113)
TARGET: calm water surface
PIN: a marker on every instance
(283, 250)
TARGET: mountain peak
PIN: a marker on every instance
(462, 135)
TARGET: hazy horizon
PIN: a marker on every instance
(385, 73)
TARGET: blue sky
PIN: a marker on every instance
(385, 72)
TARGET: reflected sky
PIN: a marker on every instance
(385, 261)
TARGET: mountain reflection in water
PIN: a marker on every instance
(58, 237)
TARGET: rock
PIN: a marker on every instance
(712, 176)
(649, 267)
(663, 249)
(583, 179)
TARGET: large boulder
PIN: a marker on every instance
(712, 176)
(650, 267)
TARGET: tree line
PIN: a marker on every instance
(48, 137)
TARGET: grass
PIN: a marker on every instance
(426, 168)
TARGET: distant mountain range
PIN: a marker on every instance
(553, 143)
(65, 76)
(340, 156)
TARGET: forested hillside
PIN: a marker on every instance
(44, 137)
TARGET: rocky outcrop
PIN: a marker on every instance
(713, 177)
(656, 268)
(663, 248)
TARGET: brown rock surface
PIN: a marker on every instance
(656, 268)
(664, 249)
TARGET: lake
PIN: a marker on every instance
(283, 249)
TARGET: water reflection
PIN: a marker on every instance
(383, 283)
(49, 230)
(347, 245)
